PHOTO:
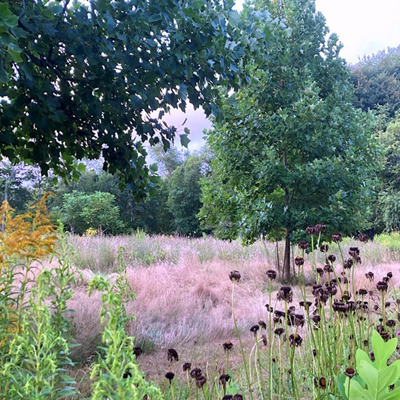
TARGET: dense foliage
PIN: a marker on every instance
(291, 150)
(86, 79)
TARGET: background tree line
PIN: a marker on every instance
(97, 201)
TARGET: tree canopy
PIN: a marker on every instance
(291, 150)
(84, 79)
(376, 80)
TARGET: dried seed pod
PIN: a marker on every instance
(285, 293)
(321, 382)
(271, 274)
(224, 379)
(200, 381)
(370, 276)
(362, 292)
(328, 268)
(279, 331)
(295, 340)
(172, 355)
(331, 258)
(310, 230)
(234, 276)
(324, 248)
(227, 345)
(137, 351)
(337, 237)
(170, 375)
(382, 286)
(306, 305)
(237, 397)
(262, 324)
(303, 245)
(350, 372)
(127, 374)
(195, 373)
(299, 261)
(187, 366)
(320, 228)
(254, 329)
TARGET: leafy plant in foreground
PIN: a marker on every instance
(116, 372)
(375, 378)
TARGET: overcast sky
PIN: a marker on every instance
(363, 26)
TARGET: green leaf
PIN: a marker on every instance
(184, 139)
(382, 350)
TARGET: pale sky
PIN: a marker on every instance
(363, 26)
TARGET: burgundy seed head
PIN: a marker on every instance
(200, 381)
(195, 373)
(382, 286)
(328, 268)
(331, 258)
(324, 248)
(310, 230)
(271, 274)
(389, 275)
(370, 276)
(321, 382)
(295, 340)
(137, 351)
(262, 324)
(234, 276)
(227, 346)
(299, 261)
(187, 366)
(285, 293)
(350, 372)
(391, 323)
(320, 228)
(224, 379)
(254, 329)
(337, 237)
(170, 376)
(303, 245)
(172, 355)
(348, 263)
(279, 331)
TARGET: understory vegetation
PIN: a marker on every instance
(200, 318)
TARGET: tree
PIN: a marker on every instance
(292, 151)
(98, 210)
(387, 211)
(184, 198)
(376, 80)
(13, 179)
(88, 77)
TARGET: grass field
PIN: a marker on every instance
(184, 301)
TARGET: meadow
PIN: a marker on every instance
(212, 320)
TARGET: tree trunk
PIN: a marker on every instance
(286, 258)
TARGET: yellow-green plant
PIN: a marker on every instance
(33, 328)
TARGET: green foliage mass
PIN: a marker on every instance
(83, 79)
(98, 211)
(291, 150)
(376, 80)
(184, 198)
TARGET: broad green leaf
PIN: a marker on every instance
(382, 350)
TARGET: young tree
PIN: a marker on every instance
(184, 198)
(85, 78)
(292, 150)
